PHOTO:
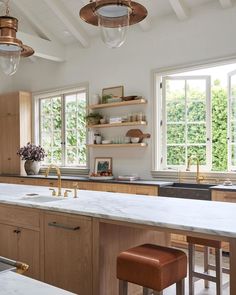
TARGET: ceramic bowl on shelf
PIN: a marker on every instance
(135, 139)
(107, 141)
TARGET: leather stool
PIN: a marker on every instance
(152, 267)
(195, 276)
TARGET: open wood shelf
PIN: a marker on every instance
(118, 124)
(118, 104)
(142, 144)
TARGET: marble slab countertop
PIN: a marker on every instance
(87, 179)
(222, 187)
(207, 217)
(12, 283)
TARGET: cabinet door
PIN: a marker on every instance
(10, 141)
(9, 104)
(68, 253)
(8, 241)
(28, 251)
(144, 190)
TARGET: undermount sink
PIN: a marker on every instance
(187, 191)
(41, 198)
(191, 185)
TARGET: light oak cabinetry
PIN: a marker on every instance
(15, 125)
(136, 189)
(68, 253)
(20, 237)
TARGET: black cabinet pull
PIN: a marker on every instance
(16, 231)
(58, 225)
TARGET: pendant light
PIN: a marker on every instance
(11, 48)
(113, 17)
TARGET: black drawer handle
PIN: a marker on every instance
(58, 225)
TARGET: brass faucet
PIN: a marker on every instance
(58, 175)
(198, 177)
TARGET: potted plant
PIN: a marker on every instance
(93, 118)
(33, 155)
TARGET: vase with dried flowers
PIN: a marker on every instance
(33, 155)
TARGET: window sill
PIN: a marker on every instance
(185, 176)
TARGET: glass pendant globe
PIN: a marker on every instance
(9, 58)
(113, 21)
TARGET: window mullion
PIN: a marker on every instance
(63, 130)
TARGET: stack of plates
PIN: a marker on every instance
(128, 177)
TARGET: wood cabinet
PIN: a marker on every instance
(20, 237)
(68, 252)
(15, 125)
(135, 189)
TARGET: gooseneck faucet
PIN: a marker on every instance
(58, 175)
(194, 157)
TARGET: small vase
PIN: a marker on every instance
(32, 167)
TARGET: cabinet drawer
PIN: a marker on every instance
(19, 217)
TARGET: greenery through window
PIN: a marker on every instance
(186, 103)
(63, 129)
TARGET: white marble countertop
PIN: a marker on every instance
(208, 217)
(12, 283)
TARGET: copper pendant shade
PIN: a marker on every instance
(88, 13)
(8, 29)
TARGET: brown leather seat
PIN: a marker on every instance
(204, 242)
(152, 266)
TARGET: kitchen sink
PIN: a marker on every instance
(187, 191)
(41, 199)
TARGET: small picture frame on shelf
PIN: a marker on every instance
(112, 94)
(103, 165)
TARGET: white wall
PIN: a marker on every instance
(208, 34)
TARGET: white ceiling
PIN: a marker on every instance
(58, 20)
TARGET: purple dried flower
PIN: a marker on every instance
(32, 152)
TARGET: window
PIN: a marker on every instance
(196, 116)
(186, 117)
(62, 127)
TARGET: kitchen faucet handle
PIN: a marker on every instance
(53, 191)
(75, 187)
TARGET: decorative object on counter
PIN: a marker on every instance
(227, 182)
(103, 166)
(11, 48)
(113, 17)
(137, 133)
(112, 94)
(33, 155)
(131, 177)
(93, 118)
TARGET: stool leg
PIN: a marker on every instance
(206, 265)
(180, 287)
(123, 287)
(146, 291)
(218, 257)
(191, 257)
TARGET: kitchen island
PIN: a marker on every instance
(121, 220)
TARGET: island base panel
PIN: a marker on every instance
(114, 239)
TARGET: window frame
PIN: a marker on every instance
(83, 88)
(163, 124)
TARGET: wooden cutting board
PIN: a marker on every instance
(137, 133)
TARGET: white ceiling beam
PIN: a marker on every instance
(180, 9)
(34, 21)
(43, 48)
(69, 21)
(226, 3)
